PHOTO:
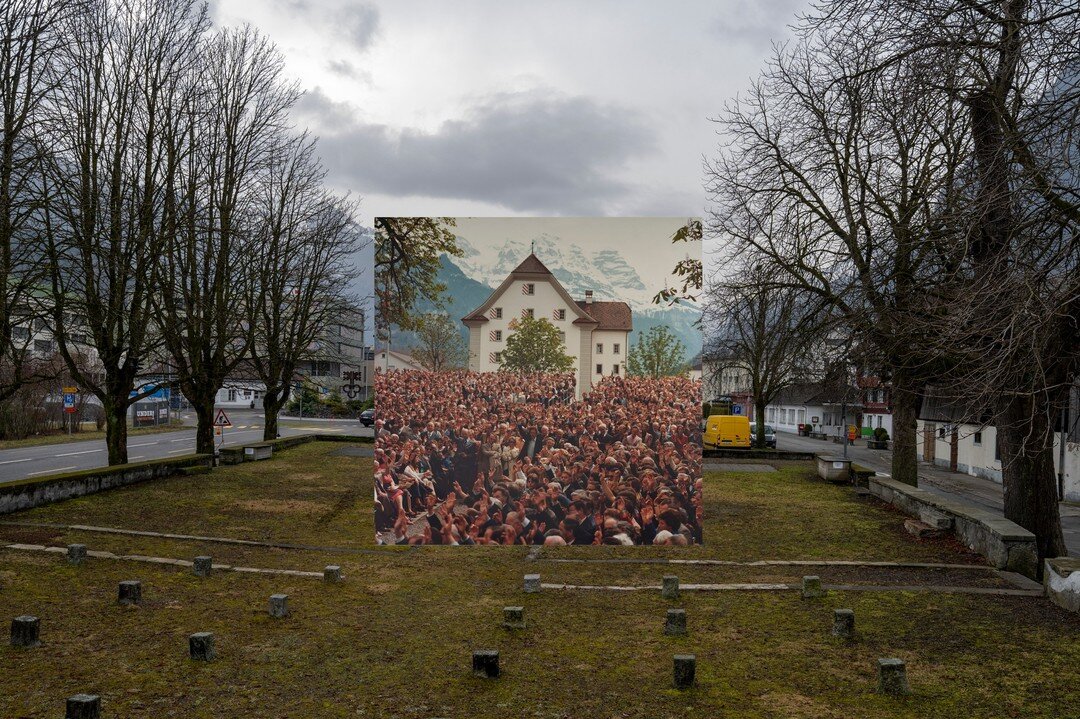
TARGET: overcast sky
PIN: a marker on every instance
(497, 107)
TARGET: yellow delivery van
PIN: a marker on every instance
(726, 430)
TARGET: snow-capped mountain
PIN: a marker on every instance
(474, 275)
(605, 271)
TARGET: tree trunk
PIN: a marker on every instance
(759, 421)
(273, 401)
(116, 431)
(1027, 472)
(905, 465)
(204, 433)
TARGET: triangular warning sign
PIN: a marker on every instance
(222, 419)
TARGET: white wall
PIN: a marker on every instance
(608, 359)
(240, 395)
(543, 302)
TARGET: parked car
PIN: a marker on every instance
(770, 435)
(367, 417)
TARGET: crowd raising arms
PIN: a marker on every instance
(509, 458)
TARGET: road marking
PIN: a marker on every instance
(138, 456)
(13, 461)
(144, 444)
(177, 451)
(49, 471)
(185, 439)
(72, 454)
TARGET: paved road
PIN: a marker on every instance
(29, 462)
(978, 490)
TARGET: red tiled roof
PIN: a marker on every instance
(610, 315)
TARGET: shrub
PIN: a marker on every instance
(881, 435)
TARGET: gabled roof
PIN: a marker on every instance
(817, 393)
(531, 265)
(610, 315)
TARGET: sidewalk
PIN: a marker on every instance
(975, 490)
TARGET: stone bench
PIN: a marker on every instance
(1061, 578)
(833, 469)
(1005, 544)
(255, 452)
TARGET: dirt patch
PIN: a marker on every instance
(281, 506)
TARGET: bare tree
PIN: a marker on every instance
(208, 267)
(109, 184)
(306, 237)
(1010, 330)
(768, 328)
(841, 180)
(439, 345)
(31, 34)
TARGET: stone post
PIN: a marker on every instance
(331, 573)
(676, 622)
(532, 583)
(485, 663)
(670, 587)
(279, 605)
(130, 592)
(843, 623)
(24, 631)
(202, 566)
(811, 587)
(83, 706)
(76, 553)
(514, 617)
(201, 646)
(685, 668)
(892, 677)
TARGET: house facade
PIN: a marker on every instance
(823, 406)
(595, 333)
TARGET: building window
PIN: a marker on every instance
(562, 338)
(496, 335)
(527, 312)
(560, 314)
(43, 346)
(528, 289)
(599, 369)
(498, 357)
(977, 439)
(20, 333)
(615, 369)
(615, 348)
(941, 433)
(232, 395)
(498, 313)
(600, 348)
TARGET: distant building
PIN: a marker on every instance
(595, 333)
(384, 359)
(822, 405)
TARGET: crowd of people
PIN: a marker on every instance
(508, 458)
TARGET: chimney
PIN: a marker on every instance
(588, 297)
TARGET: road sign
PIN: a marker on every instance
(736, 409)
(69, 401)
(222, 419)
(70, 390)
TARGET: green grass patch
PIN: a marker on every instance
(395, 638)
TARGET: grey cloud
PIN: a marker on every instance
(359, 24)
(344, 68)
(758, 23)
(530, 152)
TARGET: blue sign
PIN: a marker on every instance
(160, 391)
(736, 409)
(69, 400)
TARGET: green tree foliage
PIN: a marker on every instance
(657, 353)
(439, 345)
(535, 346)
(688, 270)
(407, 251)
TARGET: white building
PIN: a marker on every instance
(385, 359)
(820, 405)
(595, 333)
(945, 439)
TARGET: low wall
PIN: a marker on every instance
(733, 453)
(1062, 581)
(235, 454)
(29, 493)
(1005, 544)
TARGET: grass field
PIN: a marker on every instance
(394, 639)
